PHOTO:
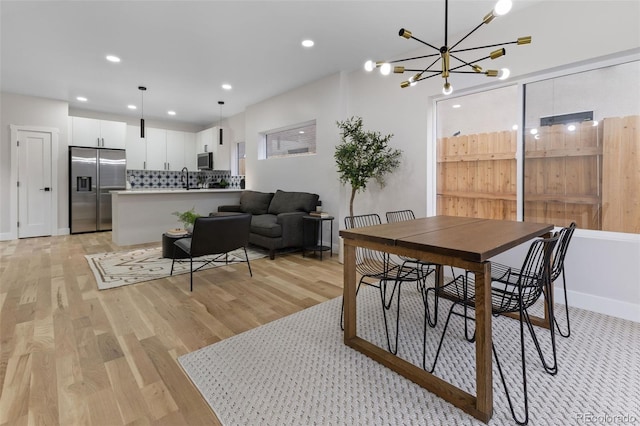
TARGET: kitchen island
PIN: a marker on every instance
(141, 216)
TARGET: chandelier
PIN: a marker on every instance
(450, 57)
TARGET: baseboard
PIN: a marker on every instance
(602, 305)
(64, 231)
(6, 236)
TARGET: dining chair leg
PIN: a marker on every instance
(385, 308)
(342, 305)
(246, 256)
(566, 309)
(549, 367)
(424, 339)
(190, 273)
(524, 377)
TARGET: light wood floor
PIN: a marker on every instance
(73, 355)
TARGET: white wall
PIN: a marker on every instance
(320, 101)
(39, 112)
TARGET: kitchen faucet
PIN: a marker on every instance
(185, 177)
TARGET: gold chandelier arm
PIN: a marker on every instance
(413, 58)
(407, 34)
(519, 41)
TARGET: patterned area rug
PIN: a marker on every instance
(297, 371)
(130, 267)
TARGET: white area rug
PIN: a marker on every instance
(297, 371)
(129, 267)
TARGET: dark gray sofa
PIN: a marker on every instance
(276, 221)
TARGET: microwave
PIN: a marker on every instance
(205, 161)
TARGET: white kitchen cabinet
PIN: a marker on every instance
(190, 153)
(209, 141)
(205, 141)
(160, 150)
(156, 148)
(98, 133)
(175, 150)
(136, 149)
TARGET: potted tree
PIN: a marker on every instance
(363, 155)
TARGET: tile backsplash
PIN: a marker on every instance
(158, 179)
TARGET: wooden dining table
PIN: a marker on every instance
(461, 242)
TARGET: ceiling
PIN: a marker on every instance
(183, 51)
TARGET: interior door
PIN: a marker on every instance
(34, 184)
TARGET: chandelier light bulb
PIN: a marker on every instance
(369, 66)
(447, 89)
(502, 7)
(504, 74)
(385, 69)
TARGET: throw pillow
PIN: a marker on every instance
(284, 202)
(255, 202)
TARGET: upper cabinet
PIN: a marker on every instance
(160, 149)
(190, 153)
(136, 149)
(98, 133)
(215, 140)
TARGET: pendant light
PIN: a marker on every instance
(220, 123)
(142, 90)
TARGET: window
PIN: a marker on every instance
(476, 155)
(580, 140)
(581, 145)
(295, 140)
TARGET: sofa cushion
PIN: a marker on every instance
(255, 202)
(266, 225)
(284, 202)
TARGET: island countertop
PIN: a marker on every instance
(152, 191)
(143, 215)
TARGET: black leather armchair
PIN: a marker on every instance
(217, 236)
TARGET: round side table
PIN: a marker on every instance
(168, 247)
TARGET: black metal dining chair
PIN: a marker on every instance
(216, 236)
(513, 295)
(378, 269)
(498, 271)
(430, 318)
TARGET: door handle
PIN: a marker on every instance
(46, 189)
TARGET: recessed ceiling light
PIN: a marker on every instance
(308, 43)
(456, 106)
(112, 58)
(227, 86)
(171, 112)
(301, 132)
(132, 107)
(82, 99)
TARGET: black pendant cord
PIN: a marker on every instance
(446, 23)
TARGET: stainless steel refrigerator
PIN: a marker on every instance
(93, 172)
